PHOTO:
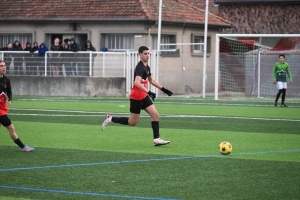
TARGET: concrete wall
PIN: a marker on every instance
(67, 86)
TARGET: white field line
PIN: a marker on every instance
(291, 100)
(173, 102)
(100, 114)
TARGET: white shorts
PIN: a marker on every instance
(281, 85)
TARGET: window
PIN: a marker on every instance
(165, 39)
(23, 38)
(198, 49)
(119, 42)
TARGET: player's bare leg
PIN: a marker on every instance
(132, 121)
(15, 138)
(151, 110)
(12, 132)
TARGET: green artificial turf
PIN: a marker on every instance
(74, 159)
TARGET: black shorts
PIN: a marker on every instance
(5, 121)
(137, 105)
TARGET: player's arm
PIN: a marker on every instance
(9, 96)
(138, 84)
(289, 73)
(156, 84)
(9, 93)
(274, 73)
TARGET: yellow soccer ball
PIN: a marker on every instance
(225, 148)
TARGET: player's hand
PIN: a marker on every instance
(152, 95)
(291, 81)
(274, 81)
(8, 103)
(168, 92)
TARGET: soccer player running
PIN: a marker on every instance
(140, 98)
(280, 70)
(5, 100)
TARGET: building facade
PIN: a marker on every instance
(122, 26)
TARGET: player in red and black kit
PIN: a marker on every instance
(140, 98)
(5, 100)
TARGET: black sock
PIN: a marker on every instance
(283, 96)
(120, 120)
(278, 95)
(19, 143)
(155, 127)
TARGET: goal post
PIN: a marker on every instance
(244, 64)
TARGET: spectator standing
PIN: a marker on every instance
(56, 66)
(42, 52)
(74, 48)
(85, 64)
(66, 59)
(35, 59)
(66, 41)
(7, 56)
(18, 58)
(28, 46)
(28, 58)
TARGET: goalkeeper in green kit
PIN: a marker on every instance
(280, 70)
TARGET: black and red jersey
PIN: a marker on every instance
(5, 92)
(144, 72)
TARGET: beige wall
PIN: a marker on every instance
(184, 74)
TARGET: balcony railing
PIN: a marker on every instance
(65, 63)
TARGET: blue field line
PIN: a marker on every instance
(103, 163)
(146, 160)
(82, 193)
(267, 152)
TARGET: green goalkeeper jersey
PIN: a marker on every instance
(280, 70)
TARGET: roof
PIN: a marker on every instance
(254, 1)
(173, 11)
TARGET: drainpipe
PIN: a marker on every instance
(182, 60)
(149, 35)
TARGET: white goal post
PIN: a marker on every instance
(244, 63)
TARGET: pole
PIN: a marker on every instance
(158, 40)
(90, 63)
(258, 63)
(217, 57)
(204, 50)
(46, 59)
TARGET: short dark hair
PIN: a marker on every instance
(2, 61)
(281, 55)
(142, 49)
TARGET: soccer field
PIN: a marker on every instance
(74, 159)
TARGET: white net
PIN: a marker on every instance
(246, 63)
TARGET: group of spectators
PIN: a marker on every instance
(34, 59)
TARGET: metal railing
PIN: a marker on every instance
(65, 63)
(79, 64)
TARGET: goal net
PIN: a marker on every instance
(244, 64)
